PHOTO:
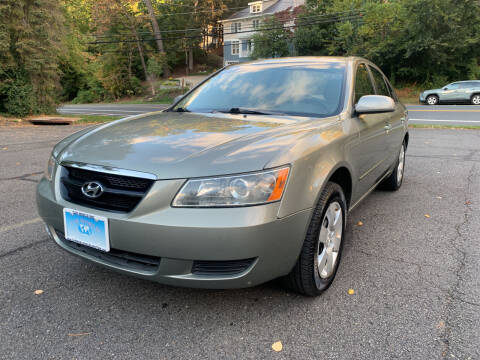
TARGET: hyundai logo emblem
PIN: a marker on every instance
(92, 189)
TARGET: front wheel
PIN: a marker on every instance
(476, 99)
(322, 249)
(432, 100)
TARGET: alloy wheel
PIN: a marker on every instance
(329, 241)
(432, 100)
(476, 100)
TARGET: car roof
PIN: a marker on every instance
(303, 60)
(466, 81)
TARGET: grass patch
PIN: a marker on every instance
(92, 119)
(408, 94)
(424, 126)
(409, 100)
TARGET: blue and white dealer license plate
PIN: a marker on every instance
(86, 229)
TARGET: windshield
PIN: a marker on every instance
(292, 89)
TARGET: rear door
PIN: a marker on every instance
(466, 91)
(370, 153)
(394, 121)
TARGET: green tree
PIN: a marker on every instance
(272, 41)
(30, 42)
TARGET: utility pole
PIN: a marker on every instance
(157, 35)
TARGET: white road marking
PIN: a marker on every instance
(95, 110)
(92, 113)
(459, 121)
(19, 225)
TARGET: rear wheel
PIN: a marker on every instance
(395, 180)
(476, 99)
(320, 256)
(432, 99)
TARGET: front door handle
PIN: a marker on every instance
(388, 127)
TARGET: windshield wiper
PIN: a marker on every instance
(181, 109)
(236, 110)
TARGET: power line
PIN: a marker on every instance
(290, 37)
(352, 17)
(129, 34)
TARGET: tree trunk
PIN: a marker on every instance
(141, 54)
(190, 59)
(157, 35)
(148, 77)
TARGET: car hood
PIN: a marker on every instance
(179, 145)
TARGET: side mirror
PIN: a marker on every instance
(370, 104)
(177, 99)
(445, 88)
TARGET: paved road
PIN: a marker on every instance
(416, 278)
(419, 114)
(468, 115)
(110, 109)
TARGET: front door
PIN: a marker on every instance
(369, 154)
(450, 92)
(395, 121)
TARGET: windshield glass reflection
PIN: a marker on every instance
(285, 88)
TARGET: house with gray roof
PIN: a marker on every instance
(239, 28)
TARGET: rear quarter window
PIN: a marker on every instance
(380, 84)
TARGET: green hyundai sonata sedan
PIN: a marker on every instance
(247, 178)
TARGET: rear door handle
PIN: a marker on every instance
(388, 127)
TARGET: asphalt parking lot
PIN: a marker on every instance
(414, 265)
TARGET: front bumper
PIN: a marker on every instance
(181, 238)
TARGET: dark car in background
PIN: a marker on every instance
(460, 92)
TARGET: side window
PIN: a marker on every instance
(363, 85)
(379, 82)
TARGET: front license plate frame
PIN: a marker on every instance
(86, 229)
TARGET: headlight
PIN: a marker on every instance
(50, 168)
(238, 190)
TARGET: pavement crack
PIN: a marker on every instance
(21, 248)
(458, 244)
(22, 177)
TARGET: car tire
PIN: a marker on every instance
(432, 100)
(322, 249)
(475, 100)
(395, 180)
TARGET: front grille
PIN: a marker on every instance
(121, 193)
(125, 259)
(230, 267)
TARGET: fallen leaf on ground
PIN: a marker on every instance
(38, 292)
(468, 202)
(359, 223)
(439, 197)
(5, 148)
(277, 346)
(427, 216)
(79, 334)
(351, 291)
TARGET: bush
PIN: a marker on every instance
(167, 95)
(91, 93)
(214, 61)
(19, 99)
(156, 65)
